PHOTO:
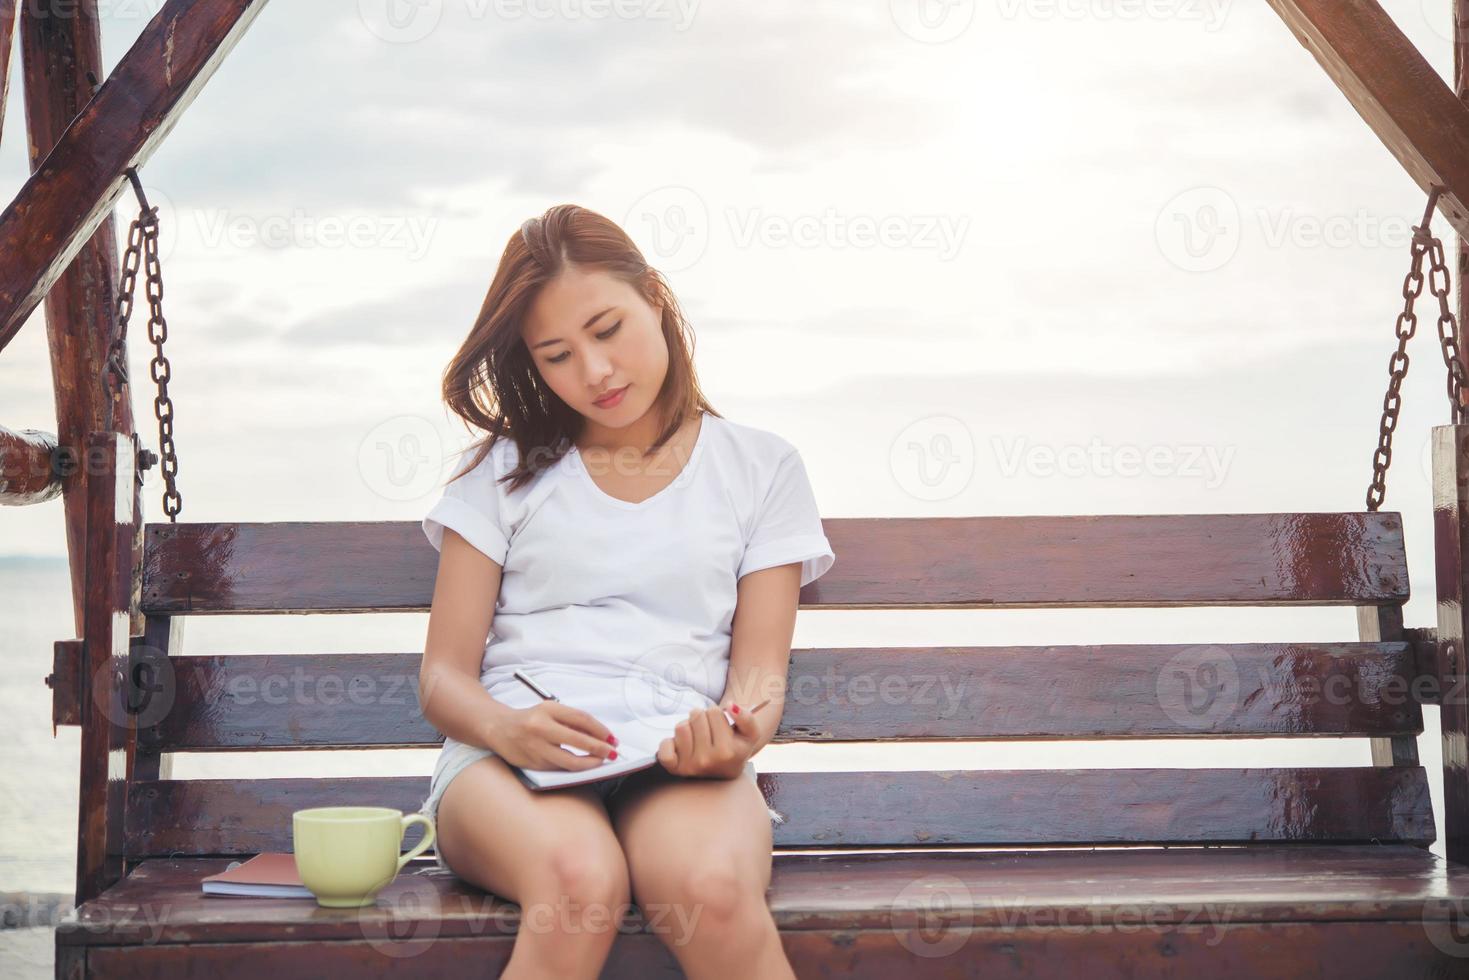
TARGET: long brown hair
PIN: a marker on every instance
(492, 383)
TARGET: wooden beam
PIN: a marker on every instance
(56, 55)
(1461, 89)
(27, 467)
(7, 37)
(1394, 88)
(74, 189)
(109, 735)
(1450, 548)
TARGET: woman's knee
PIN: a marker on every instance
(716, 888)
(581, 875)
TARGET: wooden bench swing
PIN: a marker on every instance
(1196, 872)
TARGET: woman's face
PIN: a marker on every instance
(589, 333)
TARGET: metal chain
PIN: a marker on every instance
(1424, 242)
(143, 246)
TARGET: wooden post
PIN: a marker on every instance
(1378, 624)
(59, 45)
(7, 34)
(1461, 88)
(108, 732)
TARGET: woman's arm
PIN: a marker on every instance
(449, 690)
(759, 661)
(760, 645)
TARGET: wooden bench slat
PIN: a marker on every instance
(1071, 946)
(1353, 558)
(316, 701)
(836, 890)
(877, 809)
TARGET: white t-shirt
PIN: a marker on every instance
(624, 609)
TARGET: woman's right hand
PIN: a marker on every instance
(532, 738)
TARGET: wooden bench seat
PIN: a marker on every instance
(1294, 910)
(1321, 870)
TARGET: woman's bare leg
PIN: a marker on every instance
(553, 853)
(698, 855)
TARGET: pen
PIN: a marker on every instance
(544, 694)
(752, 710)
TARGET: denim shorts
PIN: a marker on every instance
(454, 757)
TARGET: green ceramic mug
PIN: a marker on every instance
(347, 854)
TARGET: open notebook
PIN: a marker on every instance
(637, 748)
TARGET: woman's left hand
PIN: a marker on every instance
(706, 745)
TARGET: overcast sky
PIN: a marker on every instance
(974, 264)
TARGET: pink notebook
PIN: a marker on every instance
(267, 875)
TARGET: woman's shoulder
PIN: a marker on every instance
(761, 447)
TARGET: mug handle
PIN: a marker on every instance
(421, 846)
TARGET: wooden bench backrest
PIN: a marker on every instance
(1350, 688)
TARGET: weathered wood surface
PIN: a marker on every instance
(1364, 911)
(7, 38)
(27, 472)
(934, 562)
(108, 737)
(74, 189)
(889, 808)
(1418, 117)
(1451, 545)
(60, 44)
(316, 701)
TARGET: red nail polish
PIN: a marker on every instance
(612, 754)
(611, 739)
(735, 709)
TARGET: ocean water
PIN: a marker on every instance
(38, 770)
